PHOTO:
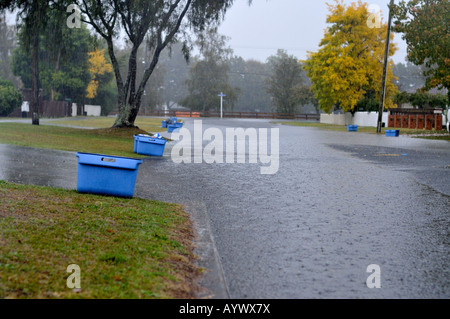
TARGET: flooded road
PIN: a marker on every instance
(339, 202)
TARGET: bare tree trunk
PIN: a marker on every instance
(58, 58)
(35, 80)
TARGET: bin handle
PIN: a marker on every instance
(111, 160)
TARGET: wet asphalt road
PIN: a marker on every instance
(339, 202)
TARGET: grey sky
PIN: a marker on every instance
(259, 30)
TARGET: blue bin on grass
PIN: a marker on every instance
(352, 128)
(178, 124)
(136, 137)
(173, 128)
(392, 133)
(106, 175)
(147, 145)
(164, 124)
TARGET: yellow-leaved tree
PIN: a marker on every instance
(98, 67)
(347, 70)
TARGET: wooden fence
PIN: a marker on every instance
(227, 114)
(47, 109)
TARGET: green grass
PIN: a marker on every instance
(144, 123)
(365, 129)
(125, 248)
(442, 137)
(119, 142)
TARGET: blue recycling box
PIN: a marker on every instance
(178, 124)
(164, 124)
(352, 128)
(146, 145)
(106, 175)
(173, 128)
(392, 133)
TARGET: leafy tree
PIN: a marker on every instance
(176, 72)
(106, 97)
(64, 63)
(348, 66)
(10, 98)
(209, 75)
(421, 99)
(425, 27)
(7, 45)
(101, 89)
(33, 15)
(285, 82)
(424, 100)
(98, 68)
(304, 96)
(162, 21)
(249, 76)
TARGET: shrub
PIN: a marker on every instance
(10, 97)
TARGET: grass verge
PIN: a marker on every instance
(438, 135)
(108, 141)
(147, 124)
(125, 248)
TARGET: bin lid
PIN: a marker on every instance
(108, 161)
(151, 140)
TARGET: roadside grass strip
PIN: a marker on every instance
(124, 248)
(437, 135)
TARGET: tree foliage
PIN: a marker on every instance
(10, 97)
(285, 82)
(349, 64)
(63, 69)
(99, 69)
(33, 16)
(425, 26)
(209, 75)
(422, 100)
(7, 45)
(250, 76)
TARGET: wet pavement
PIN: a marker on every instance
(339, 202)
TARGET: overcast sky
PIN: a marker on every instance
(297, 26)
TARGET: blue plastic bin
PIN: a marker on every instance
(136, 137)
(178, 124)
(145, 145)
(164, 124)
(173, 128)
(352, 128)
(106, 175)
(392, 133)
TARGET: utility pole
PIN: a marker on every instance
(221, 95)
(385, 67)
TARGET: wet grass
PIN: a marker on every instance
(110, 141)
(125, 248)
(148, 124)
(438, 135)
(431, 137)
